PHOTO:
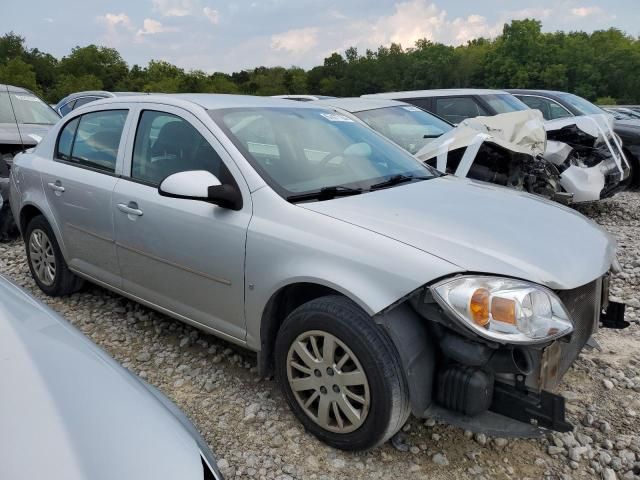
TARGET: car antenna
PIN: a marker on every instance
(15, 118)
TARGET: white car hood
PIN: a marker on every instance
(484, 228)
(68, 411)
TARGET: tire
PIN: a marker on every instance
(40, 242)
(634, 175)
(8, 228)
(382, 404)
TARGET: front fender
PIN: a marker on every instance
(373, 270)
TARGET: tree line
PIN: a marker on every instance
(601, 66)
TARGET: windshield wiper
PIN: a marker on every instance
(432, 135)
(325, 193)
(396, 180)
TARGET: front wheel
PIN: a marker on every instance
(341, 374)
(634, 174)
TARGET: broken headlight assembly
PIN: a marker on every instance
(504, 310)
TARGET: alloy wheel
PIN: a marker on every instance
(328, 381)
(42, 257)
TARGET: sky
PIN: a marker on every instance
(227, 36)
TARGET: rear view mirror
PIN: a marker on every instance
(201, 185)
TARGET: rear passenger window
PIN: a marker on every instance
(93, 139)
(457, 109)
(67, 107)
(166, 144)
(65, 140)
(84, 101)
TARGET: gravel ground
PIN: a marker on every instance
(249, 427)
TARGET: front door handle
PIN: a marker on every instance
(56, 187)
(130, 209)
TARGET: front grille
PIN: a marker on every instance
(583, 304)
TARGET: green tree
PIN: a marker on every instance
(101, 62)
(11, 46)
(67, 84)
(19, 73)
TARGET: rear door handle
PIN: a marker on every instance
(56, 187)
(130, 209)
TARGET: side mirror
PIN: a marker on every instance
(201, 185)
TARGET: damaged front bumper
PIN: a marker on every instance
(496, 389)
(588, 155)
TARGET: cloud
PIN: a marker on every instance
(118, 28)
(413, 20)
(48, 19)
(586, 11)
(175, 8)
(295, 41)
(152, 27)
(211, 14)
(537, 13)
(474, 26)
(112, 20)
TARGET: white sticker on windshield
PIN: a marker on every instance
(411, 109)
(27, 98)
(335, 117)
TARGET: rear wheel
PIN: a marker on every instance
(341, 374)
(48, 267)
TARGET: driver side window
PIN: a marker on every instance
(166, 144)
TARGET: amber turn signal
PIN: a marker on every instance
(479, 307)
(503, 310)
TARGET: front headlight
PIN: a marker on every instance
(504, 309)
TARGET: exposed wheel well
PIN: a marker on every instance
(26, 215)
(280, 305)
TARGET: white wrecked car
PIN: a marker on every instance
(581, 159)
(583, 151)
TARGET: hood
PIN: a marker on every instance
(627, 125)
(484, 228)
(31, 134)
(521, 131)
(69, 410)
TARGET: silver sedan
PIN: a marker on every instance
(372, 285)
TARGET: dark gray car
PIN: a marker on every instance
(24, 120)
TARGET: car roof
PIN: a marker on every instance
(447, 92)
(97, 93)
(535, 92)
(303, 96)
(210, 101)
(13, 88)
(359, 104)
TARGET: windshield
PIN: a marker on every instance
(408, 126)
(29, 109)
(504, 103)
(585, 107)
(303, 150)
